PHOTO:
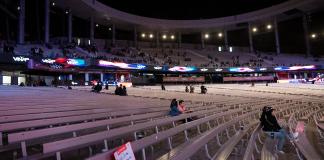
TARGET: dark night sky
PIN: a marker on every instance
(189, 9)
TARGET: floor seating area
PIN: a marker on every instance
(57, 123)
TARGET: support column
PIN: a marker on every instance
(113, 35)
(1, 82)
(91, 29)
(179, 39)
(306, 34)
(70, 27)
(86, 78)
(157, 40)
(275, 23)
(135, 37)
(251, 38)
(70, 77)
(101, 77)
(21, 23)
(225, 40)
(202, 41)
(47, 21)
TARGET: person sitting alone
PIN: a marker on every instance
(162, 87)
(203, 89)
(97, 88)
(22, 84)
(271, 127)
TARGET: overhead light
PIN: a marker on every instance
(269, 26)
(97, 25)
(220, 34)
(206, 36)
(254, 29)
(231, 49)
(164, 36)
(66, 11)
(143, 35)
(172, 36)
(53, 3)
(109, 28)
(18, 8)
(219, 49)
(151, 36)
(314, 35)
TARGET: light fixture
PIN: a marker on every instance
(109, 28)
(254, 29)
(172, 36)
(269, 26)
(314, 35)
(151, 36)
(143, 35)
(97, 25)
(18, 8)
(53, 3)
(206, 36)
(66, 11)
(164, 36)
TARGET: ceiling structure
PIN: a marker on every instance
(141, 18)
(189, 10)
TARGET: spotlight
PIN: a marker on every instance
(66, 11)
(53, 3)
(220, 35)
(172, 36)
(18, 8)
(164, 36)
(109, 29)
(206, 36)
(254, 29)
(151, 36)
(269, 26)
(143, 35)
(314, 35)
(97, 25)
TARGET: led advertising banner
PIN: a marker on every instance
(295, 68)
(261, 78)
(184, 79)
(243, 69)
(183, 69)
(104, 63)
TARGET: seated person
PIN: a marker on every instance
(174, 108)
(97, 88)
(271, 127)
(187, 89)
(182, 108)
(123, 91)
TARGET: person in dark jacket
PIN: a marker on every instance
(272, 128)
(174, 111)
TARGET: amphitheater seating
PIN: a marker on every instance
(69, 124)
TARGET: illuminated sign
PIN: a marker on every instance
(70, 62)
(76, 62)
(20, 59)
(262, 69)
(182, 69)
(158, 68)
(120, 65)
(294, 68)
(245, 69)
(203, 69)
(49, 61)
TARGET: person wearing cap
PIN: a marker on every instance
(271, 127)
